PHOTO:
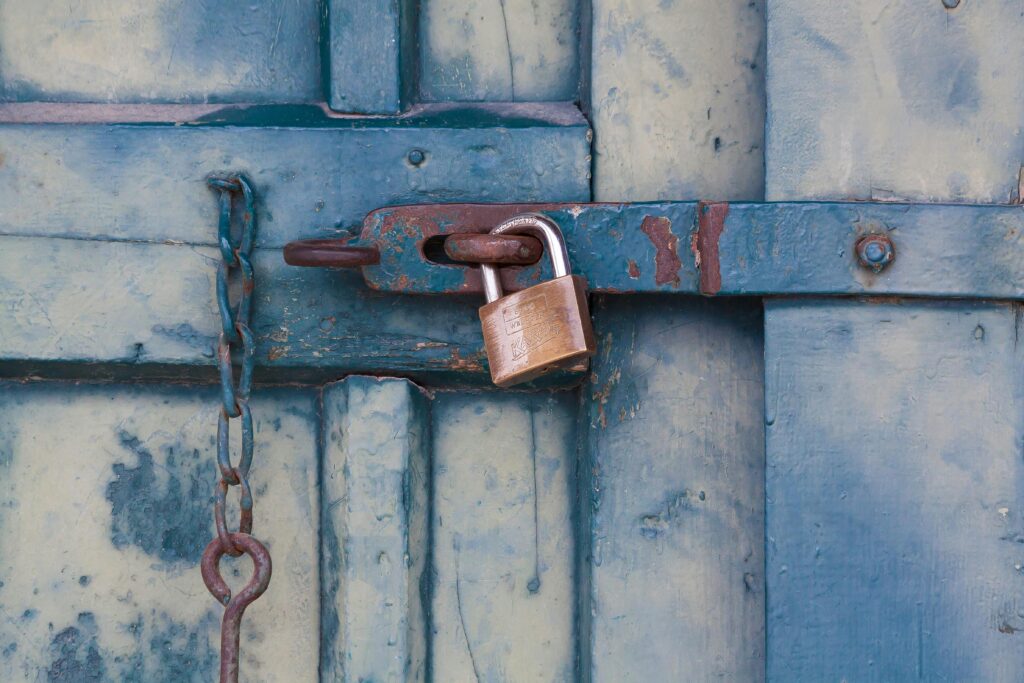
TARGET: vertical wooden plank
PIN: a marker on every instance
(677, 99)
(894, 485)
(370, 55)
(503, 581)
(894, 472)
(499, 50)
(374, 546)
(673, 492)
(883, 100)
(106, 497)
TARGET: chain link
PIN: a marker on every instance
(235, 341)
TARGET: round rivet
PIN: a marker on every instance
(416, 157)
(875, 252)
(950, 4)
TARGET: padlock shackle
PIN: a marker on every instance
(539, 226)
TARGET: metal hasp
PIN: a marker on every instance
(716, 249)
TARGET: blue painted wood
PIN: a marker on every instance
(374, 545)
(677, 96)
(503, 586)
(893, 484)
(315, 175)
(134, 215)
(883, 101)
(371, 55)
(161, 51)
(499, 50)
(671, 492)
(105, 508)
(775, 248)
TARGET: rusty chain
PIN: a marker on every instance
(235, 336)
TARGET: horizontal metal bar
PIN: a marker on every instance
(941, 250)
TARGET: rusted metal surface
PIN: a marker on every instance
(234, 606)
(666, 261)
(875, 252)
(510, 250)
(328, 253)
(710, 224)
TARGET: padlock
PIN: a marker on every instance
(543, 327)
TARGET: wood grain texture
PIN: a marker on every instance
(315, 176)
(894, 483)
(882, 100)
(672, 493)
(375, 477)
(105, 507)
(677, 99)
(503, 578)
(499, 50)
(371, 55)
(159, 51)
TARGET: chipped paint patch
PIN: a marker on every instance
(704, 244)
(666, 258)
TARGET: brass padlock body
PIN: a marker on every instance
(538, 329)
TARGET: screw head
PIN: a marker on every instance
(950, 4)
(416, 157)
(875, 252)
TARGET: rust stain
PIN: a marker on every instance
(710, 224)
(634, 270)
(460, 363)
(277, 352)
(666, 258)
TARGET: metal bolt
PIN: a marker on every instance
(875, 252)
(416, 157)
(950, 4)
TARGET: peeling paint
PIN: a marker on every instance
(666, 259)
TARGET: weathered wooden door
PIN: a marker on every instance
(782, 464)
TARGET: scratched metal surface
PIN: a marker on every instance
(159, 51)
(894, 427)
(105, 508)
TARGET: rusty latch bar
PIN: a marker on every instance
(710, 248)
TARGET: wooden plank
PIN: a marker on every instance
(161, 51)
(504, 51)
(315, 175)
(672, 493)
(503, 580)
(137, 305)
(677, 99)
(375, 476)
(893, 486)
(371, 55)
(105, 507)
(883, 100)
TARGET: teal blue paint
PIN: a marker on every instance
(188, 51)
(76, 657)
(147, 181)
(172, 523)
(893, 483)
(671, 492)
(374, 478)
(371, 55)
(884, 102)
(941, 250)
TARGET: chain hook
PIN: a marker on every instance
(234, 606)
